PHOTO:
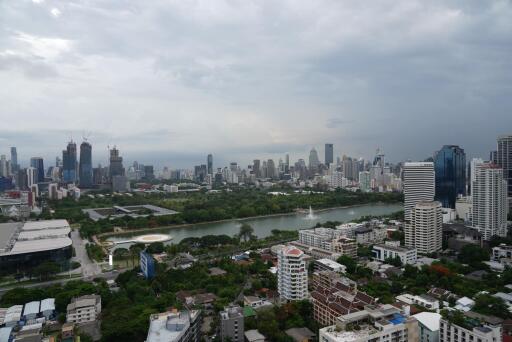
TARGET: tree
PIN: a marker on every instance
(155, 248)
(246, 232)
(46, 270)
(350, 263)
(396, 261)
(489, 305)
(472, 255)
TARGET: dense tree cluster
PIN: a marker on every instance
(196, 207)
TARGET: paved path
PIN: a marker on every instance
(89, 268)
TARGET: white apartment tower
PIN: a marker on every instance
(490, 207)
(424, 231)
(292, 274)
(419, 185)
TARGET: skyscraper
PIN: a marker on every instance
(489, 194)
(314, 162)
(450, 168)
(14, 160)
(209, 163)
(38, 164)
(504, 160)
(69, 163)
(256, 168)
(425, 229)
(85, 167)
(329, 154)
(116, 164)
(419, 185)
(271, 169)
(3, 166)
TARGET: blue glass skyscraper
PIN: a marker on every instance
(450, 168)
(69, 163)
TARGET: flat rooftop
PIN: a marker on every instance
(133, 211)
(34, 236)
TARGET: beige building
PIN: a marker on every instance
(424, 230)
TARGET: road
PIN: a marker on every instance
(106, 276)
(89, 268)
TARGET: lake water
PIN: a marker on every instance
(264, 225)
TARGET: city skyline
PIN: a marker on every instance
(290, 78)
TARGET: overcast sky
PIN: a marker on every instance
(170, 81)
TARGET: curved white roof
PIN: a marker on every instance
(429, 319)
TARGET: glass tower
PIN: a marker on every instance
(450, 168)
(85, 168)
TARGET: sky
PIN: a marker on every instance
(169, 81)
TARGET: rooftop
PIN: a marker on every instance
(170, 326)
(429, 320)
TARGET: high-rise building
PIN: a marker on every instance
(31, 177)
(489, 197)
(292, 274)
(329, 154)
(149, 172)
(419, 185)
(85, 168)
(424, 231)
(271, 169)
(3, 166)
(14, 160)
(69, 163)
(256, 168)
(116, 164)
(450, 169)
(209, 163)
(38, 164)
(314, 162)
(232, 324)
(504, 159)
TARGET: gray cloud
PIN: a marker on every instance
(248, 79)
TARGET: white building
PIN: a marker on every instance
(407, 255)
(370, 236)
(490, 207)
(84, 309)
(501, 251)
(419, 185)
(463, 208)
(175, 326)
(292, 274)
(450, 332)
(374, 324)
(428, 326)
(424, 230)
(318, 237)
(424, 300)
(329, 265)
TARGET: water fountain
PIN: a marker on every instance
(311, 215)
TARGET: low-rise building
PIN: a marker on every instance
(301, 334)
(407, 255)
(84, 309)
(31, 310)
(370, 235)
(254, 336)
(256, 302)
(334, 295)
(455, 327)
(47, 308)
(428, 326)
(175, 326)
(373, 324)
(423, 300)
(501, 251)
(329, 265)
(232, 324)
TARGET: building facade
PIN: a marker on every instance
(232, 324)
(69, 163)
(450, 170)
(329, 154)
(419, 185)
(292, 274)
(489, 201)
(472, 331)
(504, 160)
(84, 309)
(85, 166)
(406, 255)
(424, 230)
(38, 164)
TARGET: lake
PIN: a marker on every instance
(264, 225)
